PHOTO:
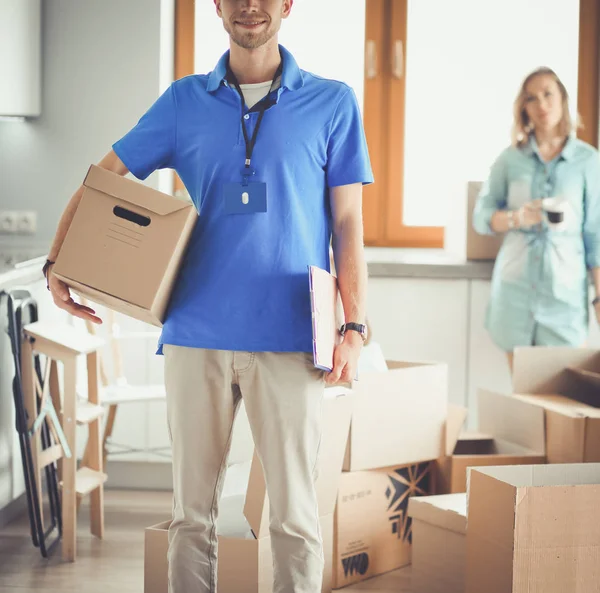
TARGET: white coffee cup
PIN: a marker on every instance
(555, 211)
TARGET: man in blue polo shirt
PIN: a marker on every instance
(274, 159)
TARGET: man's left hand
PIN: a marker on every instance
(345, 359)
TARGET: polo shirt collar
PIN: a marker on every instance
(291, 78)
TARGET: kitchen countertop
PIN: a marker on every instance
(382, 263)
(22, 273)
(424, 263)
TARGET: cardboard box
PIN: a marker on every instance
(533, 529)
(439, 546)
(372, 530)
(562, 381)
(479, 247)
(245, 560)
(245, 563)
(125, 245)
(513, 435)
(399, 416)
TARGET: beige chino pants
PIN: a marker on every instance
(283, 395)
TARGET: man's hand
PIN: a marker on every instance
(63, 300)
(345, 359)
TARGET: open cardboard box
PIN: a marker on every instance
(516, 437)
(372, 530)
(399, 416)
(439, 546)
(245, 561)
(563, 382)
(125, 245)
(533, 529)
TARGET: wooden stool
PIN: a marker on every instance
(63, 343)
(116, 389)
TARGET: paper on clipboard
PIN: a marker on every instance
(327, 316)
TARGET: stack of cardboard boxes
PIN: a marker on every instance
(385, 434)
(521, 527)
(526, 526)
(397, 430)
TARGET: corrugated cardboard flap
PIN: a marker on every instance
(512, 420)
(454, 425)
(541, 370)
(560, 404)
(256, 508)
(534, 476)
(133, 192)
(590, 377)
(448, 511)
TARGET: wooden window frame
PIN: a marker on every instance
(185, 31)
(384, 110)
(384, 116)
(589, 70)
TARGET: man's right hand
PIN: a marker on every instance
(63, 300)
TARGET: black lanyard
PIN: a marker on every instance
(263, 104)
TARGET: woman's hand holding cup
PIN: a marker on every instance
(530, 214)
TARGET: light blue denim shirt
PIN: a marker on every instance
(540, 281)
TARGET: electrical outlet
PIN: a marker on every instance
(8, 222)
(27, 222)
(18, 222)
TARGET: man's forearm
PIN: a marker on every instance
(349, 255)
(64, 224)
(111, 162)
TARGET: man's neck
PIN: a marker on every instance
(252, 66)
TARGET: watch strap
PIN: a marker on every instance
(357, 327)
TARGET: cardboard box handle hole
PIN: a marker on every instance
(134, 217)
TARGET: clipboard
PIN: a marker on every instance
(327, 316)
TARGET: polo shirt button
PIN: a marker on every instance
(247, 116)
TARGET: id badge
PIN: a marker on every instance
(248, 198)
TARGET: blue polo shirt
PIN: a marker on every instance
(243, 284)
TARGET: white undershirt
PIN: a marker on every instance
(253, 93)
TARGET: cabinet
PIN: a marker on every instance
(487, 364)
(423, 319)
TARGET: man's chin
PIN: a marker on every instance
(250, 41)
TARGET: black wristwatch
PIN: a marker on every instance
(45, 271)
(355, 327)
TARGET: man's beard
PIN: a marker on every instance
(249, 39)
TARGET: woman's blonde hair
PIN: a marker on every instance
(522, 126)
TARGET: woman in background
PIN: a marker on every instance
(540, 280)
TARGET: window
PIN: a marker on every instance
(384, 114)
(589, 69)
(184, 57)
(439, 80)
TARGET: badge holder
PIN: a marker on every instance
(247, 197)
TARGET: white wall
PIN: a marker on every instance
(100, 73)
(324, 38)
(465, 62)
(100, 62)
